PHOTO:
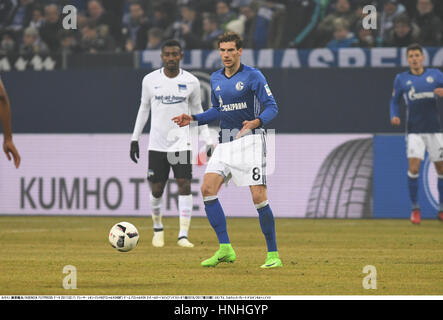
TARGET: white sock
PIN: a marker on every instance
(185, 208)
(156, 204)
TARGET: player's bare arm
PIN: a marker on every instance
(5, 119)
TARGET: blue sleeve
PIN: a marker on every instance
(262, 91)
(439, 78)
(211, 114)
(208, 116)
(396, 96)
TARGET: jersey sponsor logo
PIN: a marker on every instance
(170, 99)
(429, 79)
(412, 95)
(234, 106)
(268, 91)
(239, 86)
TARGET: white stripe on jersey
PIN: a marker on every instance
(256, 106)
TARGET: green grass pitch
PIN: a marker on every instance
(320, 257)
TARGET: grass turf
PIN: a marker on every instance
(320, 257)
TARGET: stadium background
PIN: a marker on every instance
(75, 96)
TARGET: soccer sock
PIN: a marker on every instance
(413, 189)
(216, 217)
(267, 224)
(440, 192)
(156, 204)
(185, 209)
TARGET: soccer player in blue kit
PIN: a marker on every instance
(420, 89)
(238, 92)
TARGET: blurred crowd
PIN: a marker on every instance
(35, 26)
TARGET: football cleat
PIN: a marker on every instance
(440, 216)
(184, 242)
(272, 261)
(415, 216)
(225, 254)
(158, 239)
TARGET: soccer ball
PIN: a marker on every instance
(123, 236)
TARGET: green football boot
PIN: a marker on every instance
(225, 254)
(272, 261)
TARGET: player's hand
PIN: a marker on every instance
(395, 121)
(248, 126)
(209, 150)
(11, 152)
(135, 151)
(182, 120)
(439, 92)
(185, 28)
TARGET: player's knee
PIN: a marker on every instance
(207, 190)
(258, 198)
(157, 191)
(157, 188)
(184, 186)
(157, 194)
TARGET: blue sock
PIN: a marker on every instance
(268, 226)
(216, 217)
(413, 189)
(440, 192)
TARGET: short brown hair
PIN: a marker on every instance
(414, 46)
(230, 36)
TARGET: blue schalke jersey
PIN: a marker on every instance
(421, 102)
(238, 98)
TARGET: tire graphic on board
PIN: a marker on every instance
(343, 185)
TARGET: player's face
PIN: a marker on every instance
(415, 59)
(171, 57)
(229, 54)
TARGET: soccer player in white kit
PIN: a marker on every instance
(420, 89)
(166, 92)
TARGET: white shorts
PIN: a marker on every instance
(243, 160)
(418, 143)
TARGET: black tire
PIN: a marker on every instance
(343, 185)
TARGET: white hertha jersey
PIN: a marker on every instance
(166, 98)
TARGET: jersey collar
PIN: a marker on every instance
(418, 75)
(180, 72)
(240, 69)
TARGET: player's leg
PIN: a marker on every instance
(158, 173)
(439, 169)
(155, 200)
(185, 204)
(211, 185)
(435, 148)
(415, 154)
(413, 174)
(267, 224)
(183, 174)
